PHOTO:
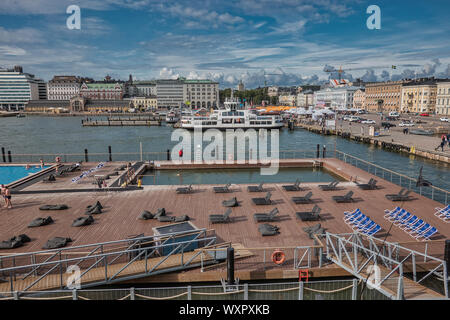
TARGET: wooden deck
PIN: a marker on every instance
(120, 217)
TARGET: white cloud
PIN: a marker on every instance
(167, 73)
(12, 51)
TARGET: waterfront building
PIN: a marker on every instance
(144, 88)
(102, 91)
(63, 87)
(170, 93)
(287, 100)
(359, 99)
(143, 103)
(384, 96)
(17, 88)
(200, 93)
(305, 98)
(443, 97)
(335, 98)
(419, 96)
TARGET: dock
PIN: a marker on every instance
(118, 122)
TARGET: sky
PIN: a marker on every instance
(273, 42)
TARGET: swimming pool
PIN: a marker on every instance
(13, 173)
(239, 176)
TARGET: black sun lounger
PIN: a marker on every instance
(224, 189)
(293, 187)
(265, 217)
(39, 222)
(399, 197)
(50, 178)
(56, 242)
(344, 199)
(329, 187)
(263, 201)
(82, 221)
(400, 193)
(230, 203)
(371, 185)
(258, 188)
(185, 190)
(268, 230)
(15, 242)
(220, 218)
(303, 200)
(54, 207)
(312, 215)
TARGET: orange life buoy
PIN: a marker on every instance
(278, 257)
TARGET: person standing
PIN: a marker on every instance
(8, 198)
(2, 193)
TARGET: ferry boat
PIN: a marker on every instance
(172, 117)
(232, 117)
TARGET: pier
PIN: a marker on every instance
(119, 221)
(120, 122)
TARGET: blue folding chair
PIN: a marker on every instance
(414, 226)
(402, 219)
(373, 231)
(398, 215)
(408, 222)
(367, 227)
(359, 215)
(362, 224)
(358, 220)
(421, 230)
(427, 234)
(391, 213)
(349, 214)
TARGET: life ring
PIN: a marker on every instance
(278, 257)
(58, 159)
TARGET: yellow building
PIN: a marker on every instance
(143, 103)
(384, 96)
(419, 96)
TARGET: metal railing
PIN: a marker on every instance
(432, 192)
(310, 290)
(355, 252)
(37, 266)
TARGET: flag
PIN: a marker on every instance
(394, 67)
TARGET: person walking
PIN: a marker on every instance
(2, 193)
(440, 146)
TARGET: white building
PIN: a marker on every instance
(272, 91)
(201, 93)
(335, 98)
(287, 100)
(305, 99)
(443, 98)
(17, 88)
(144, 88)
(63, 88)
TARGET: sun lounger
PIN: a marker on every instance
(408, 222)
(400, 193)
(54, 207)
(391, 213)
(146, 215)
(426, 235)
(371, 185)
(373, 231)
(399, 197)
(362, 224)
(268, 230)
(349, 214)
(220, 218)
(312, 215)
(293, 187)
(159, 213)
(263, 201)
(443, 213)
(83, 221)
(329, 187)
(366, 227)
(416, 225)
(50, 178)
(401, 217)
(350, 219)
(420, 230)
(230, 203)
(166, 219)
(258, 188)
(344, 199)
(185, 190)
(303, 200)
(39, 222)
(224, 189)
(15, 242)
(56, 242)
(265, 217)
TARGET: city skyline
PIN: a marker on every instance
(281, 42)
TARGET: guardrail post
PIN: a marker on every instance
(9, 156)
(245, 291)
(3, 154)
(86, 155)
(355, 289)
(109, 151)
(74, 294)
(300, 290)
(400, 284)
(16, 295)
(132, 296)
(189, 293)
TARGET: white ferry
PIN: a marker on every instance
(172, 117)
(232, 118)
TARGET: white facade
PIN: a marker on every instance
(288, 100)
(335, 98)
(443, 98)
(17, 88)
(170, 93)
(272, 91)
(63, 88)
(144, 88)
(201, 93)
(305, 99)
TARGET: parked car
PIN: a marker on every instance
(387, 125)
(394, 114)
(406, 124)
(354, 119)
(424, 114)
(445, 119)
(347, 118)
(368, 121)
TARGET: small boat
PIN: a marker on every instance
(20, 115)
(422, 132)
(172, 117)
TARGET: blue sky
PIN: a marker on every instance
(284, 42)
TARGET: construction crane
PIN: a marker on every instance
(340, 71)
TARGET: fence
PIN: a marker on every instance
(402, 180)
(312, 290)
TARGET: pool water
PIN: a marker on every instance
(10, 174)
(236, 176)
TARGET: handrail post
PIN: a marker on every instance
(74, 294)
(414, 267)
(445, 279)
(400, 283)
(300, 290)
(16, 295)
(355, 289)
(245, 291)
(189, 292)
(132, 295)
